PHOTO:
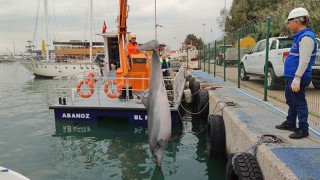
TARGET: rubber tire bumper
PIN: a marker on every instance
(215, 136)
(246, 167)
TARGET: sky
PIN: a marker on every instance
(23, 20)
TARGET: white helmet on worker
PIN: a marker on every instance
(298, 12)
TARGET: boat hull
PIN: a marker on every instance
(51, 69)
(134, 116)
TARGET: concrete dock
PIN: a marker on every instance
(252, 118)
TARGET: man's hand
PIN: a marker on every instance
(295, 85)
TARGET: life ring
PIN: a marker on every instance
(215, 136)
(90, 77)
(116, 93)
(243, 166)
(85, 95)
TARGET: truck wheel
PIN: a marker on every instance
(316, 82)
(273, 81)
(243, 73)
(316, 78)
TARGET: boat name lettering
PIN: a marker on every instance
(76, 115)
(139, 117)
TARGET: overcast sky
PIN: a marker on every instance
(23, 20)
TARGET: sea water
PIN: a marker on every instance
(35, 145)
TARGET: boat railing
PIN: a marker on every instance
(86, 87)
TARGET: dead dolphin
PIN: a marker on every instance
(157, 104)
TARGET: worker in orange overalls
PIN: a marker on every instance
(132, 45)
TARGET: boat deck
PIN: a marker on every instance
(72, 107)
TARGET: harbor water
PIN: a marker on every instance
(35, 145)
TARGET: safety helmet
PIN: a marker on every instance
(133, 37)
(298, 12)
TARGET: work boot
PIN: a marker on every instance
(286, 126)
(299, 133)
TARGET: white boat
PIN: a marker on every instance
(8, 174)
(52, 66)
(7, 58)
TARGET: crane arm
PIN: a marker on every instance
(122, 33)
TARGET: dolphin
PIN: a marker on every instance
(157, 104)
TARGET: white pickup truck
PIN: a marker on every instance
(316, 69)
(252, 64)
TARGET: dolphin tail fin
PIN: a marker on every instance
(149, 46)
(162, 143)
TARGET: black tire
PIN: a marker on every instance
(195, 89)
(316, 83)
(191, 81)
(274, 82)
(202, 99)
(243, 73)
(215, 136)
(246, 167)
(316, 78)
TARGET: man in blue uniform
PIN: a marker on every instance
(297, 72)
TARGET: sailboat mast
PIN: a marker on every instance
(91, 17)
(46, 28)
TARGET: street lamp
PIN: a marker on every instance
(204, 32)
(180, 42)
(155, 19)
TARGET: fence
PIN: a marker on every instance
(262, 70)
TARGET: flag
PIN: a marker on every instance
(104, 28)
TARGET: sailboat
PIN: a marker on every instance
(50, 67)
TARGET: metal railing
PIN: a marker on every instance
(69, 87)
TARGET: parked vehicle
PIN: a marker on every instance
(220, 54)
(231, 52)
(252, 64)
(316, 69)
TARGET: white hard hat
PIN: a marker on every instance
(298, 12)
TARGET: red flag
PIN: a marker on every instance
(104, 28)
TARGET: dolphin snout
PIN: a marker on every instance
(151, 45)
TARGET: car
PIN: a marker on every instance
(316, 69)
(253, 63)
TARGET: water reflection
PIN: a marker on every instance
(215, 166)
(109, 148)
(47, 87)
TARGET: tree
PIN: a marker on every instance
(245, 13)
(191, 39)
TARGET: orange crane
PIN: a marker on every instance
(133, 68)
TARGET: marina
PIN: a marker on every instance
(129, 94)
(39, 147)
